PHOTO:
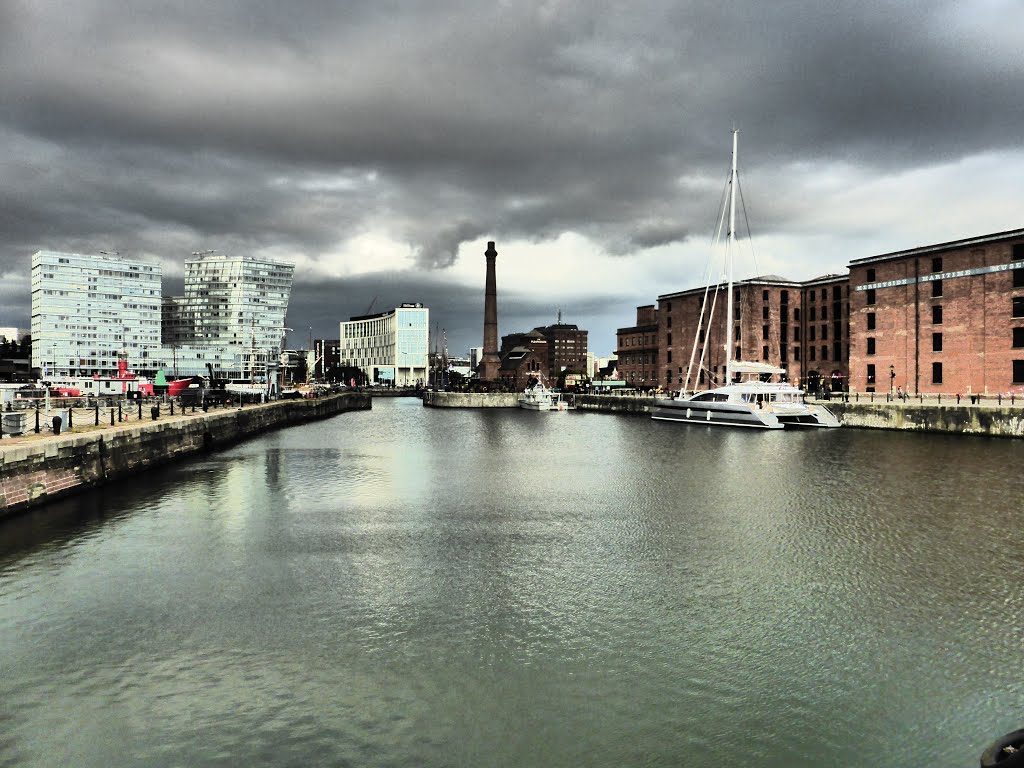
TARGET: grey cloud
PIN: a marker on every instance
(161, 127)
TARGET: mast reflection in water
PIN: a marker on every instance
(411, 586)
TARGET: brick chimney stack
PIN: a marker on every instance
(490, 362)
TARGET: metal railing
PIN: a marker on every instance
(77, 414)
(998, 400)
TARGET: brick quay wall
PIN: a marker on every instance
(988, 420)
(941, 415)
(35, 470)
(433, 399)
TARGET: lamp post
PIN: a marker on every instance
(892, 378)
(281, 358)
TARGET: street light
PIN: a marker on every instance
(281, 358)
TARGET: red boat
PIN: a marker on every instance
(176, 387)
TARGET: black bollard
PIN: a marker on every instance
(111, 416)
(71, 419)
(56, 425)
(140, 409)
(154, 411)
(37, 417)
(119, 417)
(97, 413)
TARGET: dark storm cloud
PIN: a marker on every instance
(158, 129)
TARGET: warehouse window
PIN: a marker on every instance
(937, 314)
(936, 373)
(871, 345)
(871, 321)
(1018, 371)
(1018, 338)
(1018, 306)
(936, 342)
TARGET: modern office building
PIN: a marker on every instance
(234, 306)
(389, 347)
(89, 309)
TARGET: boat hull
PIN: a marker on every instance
(815, 416)
(533, 405)
(711, 413)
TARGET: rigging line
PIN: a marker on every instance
(775, 333)
(716, 238)
(750, 238)
(707, 337)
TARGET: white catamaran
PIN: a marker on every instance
(748, 398)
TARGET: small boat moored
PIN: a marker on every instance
(537, 397)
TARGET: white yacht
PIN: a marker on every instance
(537, 397)
(752, 402)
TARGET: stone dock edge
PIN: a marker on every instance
(46, 469)
(983, 420)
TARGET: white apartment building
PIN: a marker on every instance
(390, 347)
(88, 309)
(234, 306)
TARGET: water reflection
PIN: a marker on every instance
(413, 586)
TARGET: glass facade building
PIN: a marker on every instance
(234, 304)
(89, 309)
(390, 347)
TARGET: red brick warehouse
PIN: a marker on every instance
(945, 318)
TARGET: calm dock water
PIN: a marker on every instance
(411, 586)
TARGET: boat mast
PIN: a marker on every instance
(729, 256)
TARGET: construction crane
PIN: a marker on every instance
(371, 305)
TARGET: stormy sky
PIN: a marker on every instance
(379, 145)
